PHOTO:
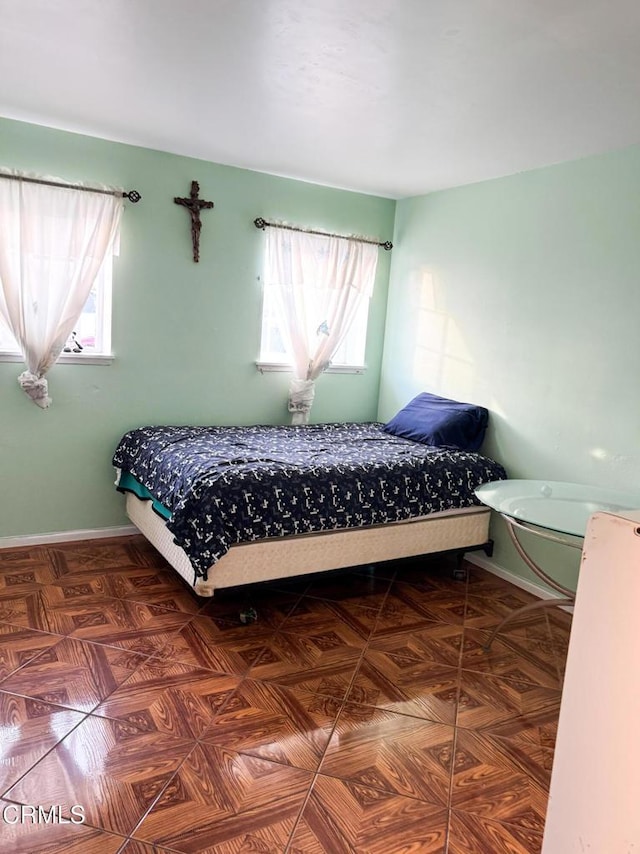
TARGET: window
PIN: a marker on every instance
(54, 246)
(316, 290)
(92, 334)
(350, 353)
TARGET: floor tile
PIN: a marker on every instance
(488, 783)
(560, 628)
(445, 606)
(74, 673)
(330, 622)
(341, 815)
(28, 610)
(176, 600)
(22, 834)
(204, 642)
(14, 582)
(135, 846)
(222, 802)
(112, 769)
(472, 834)
(332, 681)
(154, 587)
(142, 553)
(398, 614)
(18, 645)
(85, 589)
(227, 608)
(521, 661)
(29, 729)
(168, 697)
(115, 622)
(358, 588)
(432, 572)
(360, 712)
(295, 660)
(20, 568)
(279, 724)
(406, 686)
(508, 708)
(438, 643)
(480, 582)
(94, 555)
(391, 752)
(484, 612)
(535, 760)
(422, 579)
(311, 616)
(139, 582)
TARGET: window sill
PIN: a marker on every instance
(66, 358)
(267, 367)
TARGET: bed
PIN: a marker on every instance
(233, 505)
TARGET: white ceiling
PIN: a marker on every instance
(391, 97)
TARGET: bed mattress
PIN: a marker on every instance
(286, 557)
(228, 485)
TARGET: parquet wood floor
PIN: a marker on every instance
(359, 714)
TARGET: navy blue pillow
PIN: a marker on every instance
(444, 423)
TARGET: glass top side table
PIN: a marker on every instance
(554, 511)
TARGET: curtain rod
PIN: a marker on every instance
(133, 195)
(259, 222)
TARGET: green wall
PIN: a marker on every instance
(185, 335)
(523, 294)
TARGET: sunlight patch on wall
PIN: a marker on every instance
(441, 358)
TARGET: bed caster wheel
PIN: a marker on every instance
(248, 615)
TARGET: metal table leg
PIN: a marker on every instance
(568, 595)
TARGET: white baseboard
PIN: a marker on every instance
(66, 536)
(524, 583)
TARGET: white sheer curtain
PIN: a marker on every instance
(53, 241)
(320, 282)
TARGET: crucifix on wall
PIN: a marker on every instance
(194, 205)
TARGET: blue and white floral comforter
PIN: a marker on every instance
(227, 485)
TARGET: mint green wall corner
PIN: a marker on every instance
(523, 294)
(185, 335)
